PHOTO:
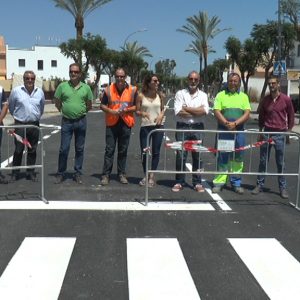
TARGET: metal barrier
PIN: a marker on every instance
(208, 146)
(10, 130)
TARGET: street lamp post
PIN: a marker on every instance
(132, 33)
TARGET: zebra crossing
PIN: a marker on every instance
(156, 268)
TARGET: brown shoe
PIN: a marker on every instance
(104, 180)
(123, 179)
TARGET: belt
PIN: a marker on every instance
(37, 123)
(73, 120)
(189, 124)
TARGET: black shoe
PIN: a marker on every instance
(3, 180)
(77, 178)
(59, 179)
(14, 177)
(31, 176)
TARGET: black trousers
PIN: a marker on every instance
(32, 135)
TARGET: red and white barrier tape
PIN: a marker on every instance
(19, 138)
(195, 146)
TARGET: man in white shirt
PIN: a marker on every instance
(190, 106)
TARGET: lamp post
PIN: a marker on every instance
(132, 33)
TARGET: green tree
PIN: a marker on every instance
(215, 75)
(246, 56)
(265, 36)
(165, 70)
(291, 11)
(202, 29)
(79, 9)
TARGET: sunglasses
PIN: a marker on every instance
(29, 78)
(155, 81)
(119, 77)
(75, 72)
(193, 79)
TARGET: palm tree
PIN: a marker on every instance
(133, 58)
(202, 29)
(135, 50)
(195, 48)
(79, 9)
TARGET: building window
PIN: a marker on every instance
(22, 62)
(53, 63)
(40, 65)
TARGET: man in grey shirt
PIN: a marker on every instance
(26, 105)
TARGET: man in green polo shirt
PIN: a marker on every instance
(73, 99)
(232, 110)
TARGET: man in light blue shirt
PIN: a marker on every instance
(26, 105)
(3, 112)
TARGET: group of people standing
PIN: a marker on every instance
(122, 101)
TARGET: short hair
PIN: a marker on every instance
(234, 74)
(193, 72)
(28, 72)
(121, 69)
(274, 77)
(75, 65)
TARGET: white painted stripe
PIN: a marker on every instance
(216, 197)
(54, 131)
(6, 162)
(37, 269)
(82, 205)
(45, 137)
(275, 269)
(49, 126)
(157, 270)
(219, 201)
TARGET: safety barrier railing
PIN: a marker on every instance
(209, 146)
(10, 146)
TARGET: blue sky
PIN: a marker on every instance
(22, 21)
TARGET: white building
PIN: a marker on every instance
(47, 62)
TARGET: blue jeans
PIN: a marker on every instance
(119, 133)
(265, 150)
(68, 128)
(181, 156)
(155, 142)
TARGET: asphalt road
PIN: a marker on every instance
(94, 242)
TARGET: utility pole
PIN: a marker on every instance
(279, 40)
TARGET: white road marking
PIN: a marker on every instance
(37, 270)
(216, 197)
(54, 131)
(83, 205)
(157, 270)
(45, 137)
(275, 269)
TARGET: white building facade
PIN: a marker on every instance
(47, 62)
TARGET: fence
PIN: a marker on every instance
(212, 145)
(7, 165)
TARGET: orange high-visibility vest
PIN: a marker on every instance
(115, 101)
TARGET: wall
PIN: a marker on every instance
(44, 53)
